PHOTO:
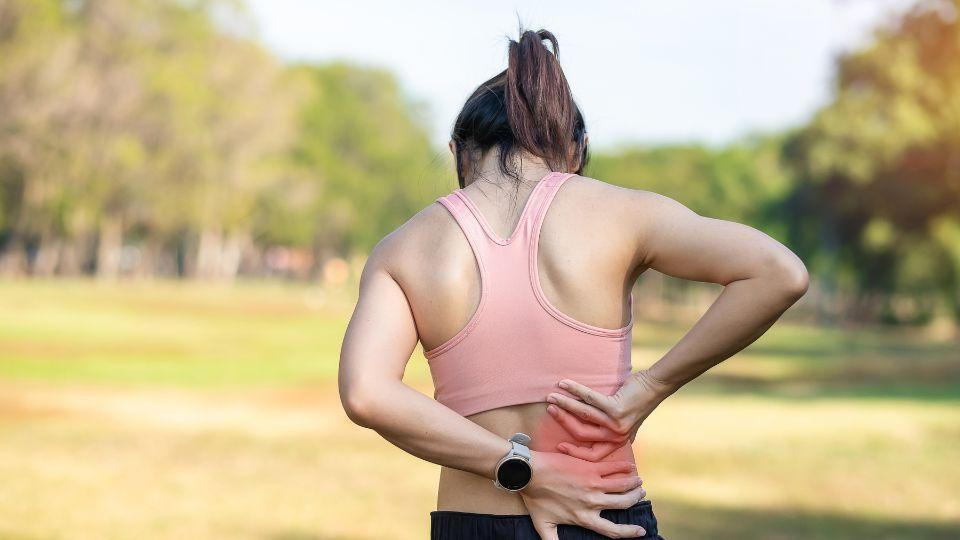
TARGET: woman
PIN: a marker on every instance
(521, 280)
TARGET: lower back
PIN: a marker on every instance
(467, 492)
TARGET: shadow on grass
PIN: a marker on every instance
(834, 347)
(808, 362)
(925, 374)
(806, 388)
(682, 520)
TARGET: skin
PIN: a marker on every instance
(420, 283)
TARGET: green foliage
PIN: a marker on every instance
(151, 121)
(880, 165)
(164, 124)
(362, 164)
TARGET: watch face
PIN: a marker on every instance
(513, 473)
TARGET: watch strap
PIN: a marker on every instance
(520, 450)
(521, 438)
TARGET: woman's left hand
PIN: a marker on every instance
(605, 422)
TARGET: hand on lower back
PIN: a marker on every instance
(604, 423)
(572, 491)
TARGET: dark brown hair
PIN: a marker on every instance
(527, 106)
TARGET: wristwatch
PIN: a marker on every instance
(513, 470)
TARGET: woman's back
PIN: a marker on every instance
(586, 262)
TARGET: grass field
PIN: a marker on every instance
(171, 410)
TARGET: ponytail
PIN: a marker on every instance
(528, 106)
(539, 104)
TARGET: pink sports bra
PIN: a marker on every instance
(517, 345)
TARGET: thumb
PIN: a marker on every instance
(546, 530)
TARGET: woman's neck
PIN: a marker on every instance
(528, 167)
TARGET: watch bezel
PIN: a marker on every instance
(514, 457)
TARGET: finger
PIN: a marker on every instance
(587, 395)
(611, 529)
(619, 484)
(546, 530)
(605, 468)
(597, 452)
(622, 500)
(584, 411)
(581, 430)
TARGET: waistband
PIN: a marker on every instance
(453, 524)
(641, 506)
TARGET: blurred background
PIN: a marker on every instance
(188, 189)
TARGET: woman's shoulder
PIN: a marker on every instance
(615, 201)
(422, 235)
(611, 189)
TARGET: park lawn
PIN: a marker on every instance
(170, 333)
(162, 410)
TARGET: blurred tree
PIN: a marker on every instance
(881, 165)
(362, 164)
(37, 62)
(124, 115)
(162, 125)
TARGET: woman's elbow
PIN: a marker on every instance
(801, 282)
(359, 406)
(791, 276)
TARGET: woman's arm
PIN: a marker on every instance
(378, 342)
(377, 345)
(762, 278)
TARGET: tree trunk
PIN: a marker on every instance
(827, 309)
(149, 258)
(232, 255)
(48, 257)
(71, 256)
(13, 259)
(209, 254)
(109, 245)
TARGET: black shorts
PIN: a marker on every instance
(451, 525)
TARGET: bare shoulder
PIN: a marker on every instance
(599, 188)
(624, 204)
(403, 249)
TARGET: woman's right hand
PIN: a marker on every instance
(572, 491)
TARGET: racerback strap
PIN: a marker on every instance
(478, 230)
